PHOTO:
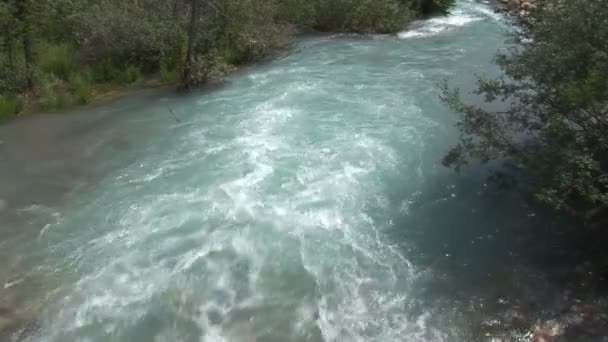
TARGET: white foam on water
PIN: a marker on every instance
(465, 13)
(362, 282)
(244, 227)
(438, 25)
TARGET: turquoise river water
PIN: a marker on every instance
(301, 200)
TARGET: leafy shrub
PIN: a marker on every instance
(56, 59)
(210, 67)
(298, 12)
(555, 131)
(179, 51)
(110, 72)
(12, 78)
(126, 31)
(166, 73)
(105, 72)
(364, 16)
(10, 105)
(56, 100)
(131, 74)
(232, 55)
(378, 16)
(251, 32)
(81, 88)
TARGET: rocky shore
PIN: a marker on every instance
(518, 8)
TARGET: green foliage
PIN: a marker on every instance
(57, 94)
(128, 31)
(167, 74)
(179, 51)
(81, 88)
(381, 16)
(105, 72)
(363, 16)
(555, 124)
(247, 31)
(56, 100)
(10, 105)
(302, 13)
(109, 72)
(234, 56)
(12, 79)
(56, 59)
(171, 66)
(210, 67)
(46, 44)
(131, 74)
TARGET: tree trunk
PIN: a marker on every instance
(23, 16)
(192, 30)
(29, 59)
(9, 45)
(175, 9)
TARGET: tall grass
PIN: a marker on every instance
(56, 100)
(111, 72)
(81, 88)
(56, 59)
(166, 73)
(10, 105)
(131, 74)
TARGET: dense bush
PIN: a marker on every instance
(109, 71)
(363, 16)
(81, 88)
(57, 59)
(555, 128)
(12, 78)
(167, 73)
(10, 105)
(210, 67)
(60, 49)
(129, 31)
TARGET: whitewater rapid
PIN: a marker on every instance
(263, 213)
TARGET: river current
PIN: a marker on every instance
(302, 199)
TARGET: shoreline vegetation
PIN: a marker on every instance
(544, 123)
(61, 54)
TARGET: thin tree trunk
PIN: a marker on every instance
(175, 8)
(29, 59)
(187, 75)
(9, 45)
(26, 39)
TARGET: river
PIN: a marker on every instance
(301, 200)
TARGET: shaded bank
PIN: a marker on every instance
(58, 54)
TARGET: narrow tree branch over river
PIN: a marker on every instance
(294, 188)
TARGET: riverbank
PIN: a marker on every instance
(100, 94)
(62, 63)
(517, 8)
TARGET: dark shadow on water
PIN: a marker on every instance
(488, 250)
